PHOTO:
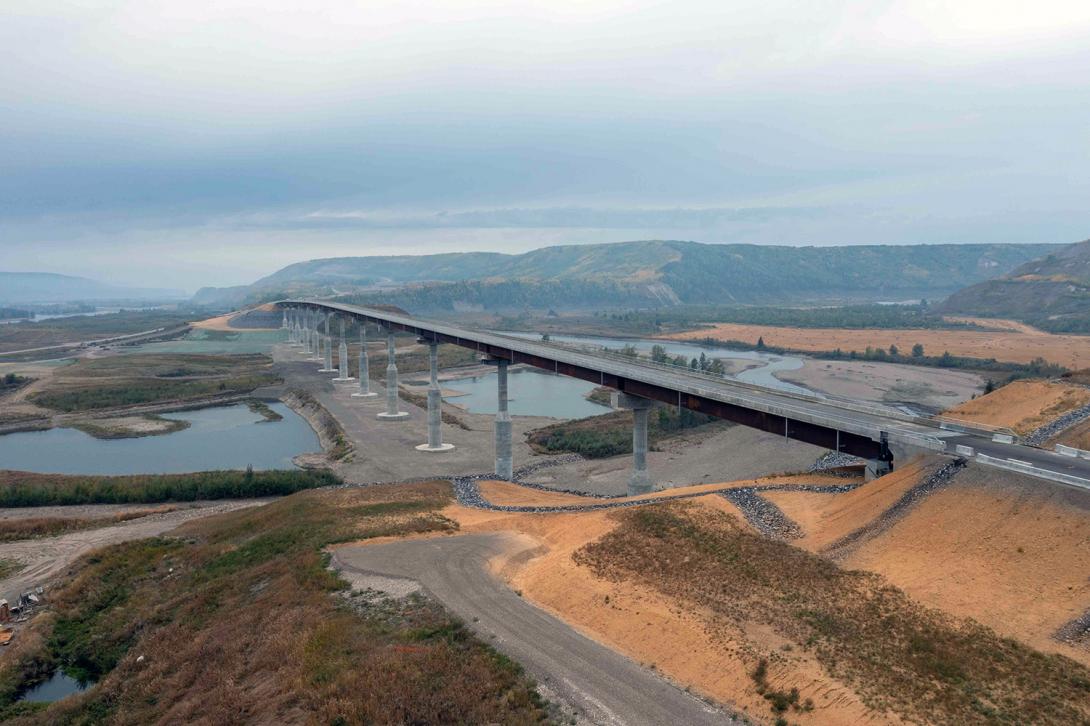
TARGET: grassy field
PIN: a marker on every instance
(25, 489)
(127, 380)
(238, 619)
(900, 658)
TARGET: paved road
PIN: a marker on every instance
(608, 687)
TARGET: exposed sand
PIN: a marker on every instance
(650, 628)
(826, 519)
(222, 322)
(997, 547)
(934, 388)
(1018, 347)
(1023, 405)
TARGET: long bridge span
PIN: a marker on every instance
(877, 434)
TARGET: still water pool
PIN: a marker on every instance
(56, 688)
(530, 393)
(225, 437)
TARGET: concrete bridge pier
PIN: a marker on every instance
(503, 423)
(342, 359)
(365, 367)
(327, 365)
(391, 413)
(435, 405)
(640, 480)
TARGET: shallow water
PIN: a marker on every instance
(56, 688)
(530, 393)
(224, 437)
(761, 375)
(200, 340)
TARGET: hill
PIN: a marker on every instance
(1052, 292)
(644, 274)
(47, 287)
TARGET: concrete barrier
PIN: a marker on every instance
(1003, 438)
(964, 450)
(1067, 451)
(1024, 467)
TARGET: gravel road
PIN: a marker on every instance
(602, 684)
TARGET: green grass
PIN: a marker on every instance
(25, 489)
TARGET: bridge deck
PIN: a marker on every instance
(837, 424)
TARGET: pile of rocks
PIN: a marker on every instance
(1041, 434)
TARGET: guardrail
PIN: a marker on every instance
(1023, 467)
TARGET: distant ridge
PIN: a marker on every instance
(644, 273)
(48, 287)
(1051, 292)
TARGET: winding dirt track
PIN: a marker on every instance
(45, 558)
(608, 687)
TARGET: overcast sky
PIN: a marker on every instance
(180, 144)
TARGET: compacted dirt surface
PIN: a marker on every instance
(607, 687)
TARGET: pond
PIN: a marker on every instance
(224, 437)
(56, 688)
(762, 375)
(530, 393)
(200, 340)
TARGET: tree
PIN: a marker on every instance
(917, 350)
(894, 350)
(658, 354)
(989, 386)
(545, 338)
(703, 362)
(694, 364)
(761, 343)
(716, 367)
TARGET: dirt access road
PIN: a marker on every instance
(46, 557)
(608, 687)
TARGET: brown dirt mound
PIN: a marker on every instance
(1023, 405)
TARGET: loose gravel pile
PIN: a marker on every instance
(835, 459)
(1041, 434)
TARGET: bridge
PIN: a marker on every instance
(877, 434)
